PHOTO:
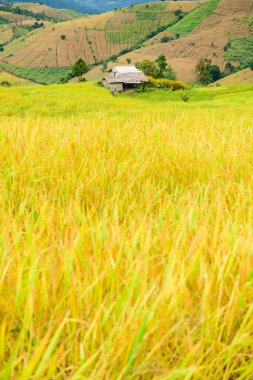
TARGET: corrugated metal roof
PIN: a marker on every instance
(125, 69)
(128, 78)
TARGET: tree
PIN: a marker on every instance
(113, 58)
(169, 73)
(104, 67)
(203, 70)
(162, 65)
(80, 68)
(149, 68)
(165, 39)
(129, 61)
(215, 73)
(178, 13)
(229, 68)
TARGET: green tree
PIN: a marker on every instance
(229, 68)
(215, 73)
(105, 66)
(165, 39)
(79, 69)
(113, 58)
(149, 68)
(178, 13)
(169, 73)
(202, 70)
(162, 65)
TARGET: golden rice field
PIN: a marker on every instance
(126, 234)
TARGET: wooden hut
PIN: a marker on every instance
(124, 78)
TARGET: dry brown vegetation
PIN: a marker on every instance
(208, 40)
(93, 38)
(48, 11)
(241, 77)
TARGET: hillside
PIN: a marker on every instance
(223, 33)
(94, 38)
(20, 19)
(217, 29)
(14, 80)
(241, 77)
(37, 8)
(91, 6)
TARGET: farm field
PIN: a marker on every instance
(40, 75)
(126, 234)
(220, 30)
(14, 81)
(48, 11)
(93, 38)
(241, 77)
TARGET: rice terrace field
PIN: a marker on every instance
(126, 234)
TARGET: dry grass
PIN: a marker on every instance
(126, 235)
(207, 40)
(94, 38)
(13, 80)
(241, 77)
(48, 11)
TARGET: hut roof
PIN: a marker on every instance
(127, 78)
(127, 75)
(125, 70)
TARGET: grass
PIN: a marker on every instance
(49, 75)
(3, 20)
(72, 13)
(126, 234)
(241, 50)
(14, 81)
(146, 19)
(19, 31)
(146, 8)
(194, 18)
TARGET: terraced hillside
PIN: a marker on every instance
(13, 26)
(20, 19)
(221, 30)
(93, 38)
(48, 11)
(7, 17)
(241, 77)
(13, 80)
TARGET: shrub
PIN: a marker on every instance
(172, 85)
(100, 83)
(149, 68)
(169, 73)
(215, 73)
(82, 80)
(165, 39)
(229, 68)
(63, 80)
(113, 58)
(63, 37)
(80, 68)
(202, 70)
(5, 83)
(185, 98)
